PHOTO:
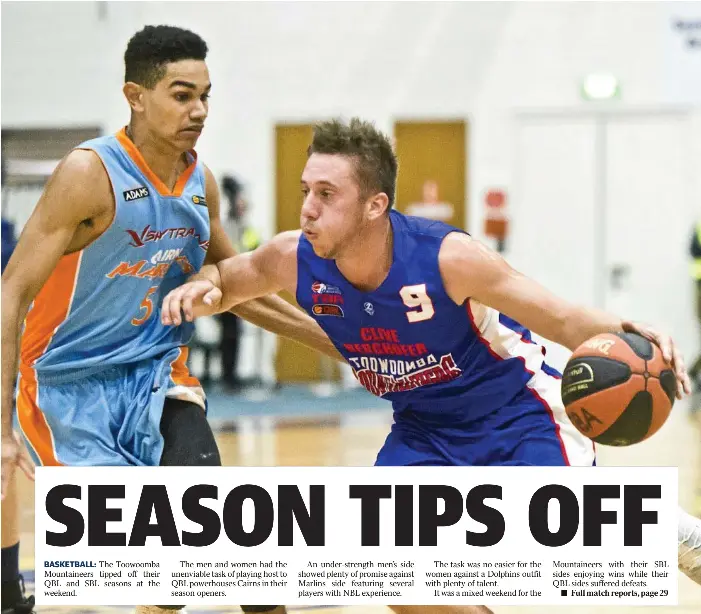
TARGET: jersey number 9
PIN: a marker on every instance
(415, 296)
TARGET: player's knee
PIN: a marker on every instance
(199, 453)
(188, 440)
(277, 609)
(209, 459)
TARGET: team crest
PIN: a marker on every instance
(319, 287)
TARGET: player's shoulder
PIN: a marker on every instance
(459, 248)
(286, 243)
(464, 258)
(78, 188)
(457, 242)
(210, 180)
(466, 266)
(81, 176)
(280, 248)
(83, 163)
(211, 189)
(211, 186)
(278, 258)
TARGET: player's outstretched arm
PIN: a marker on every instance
(471, 270)
(238, 279)
(270, 312)
(72, 195)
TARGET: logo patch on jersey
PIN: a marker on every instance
(148, 234)
(369, 372)
(136, 193)
(162, 262)
(199, 200)
(369, 309)
(322, 309)
(322, 288)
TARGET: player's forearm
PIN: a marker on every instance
(208, 272)
(9, 376)
(582, 324)
(243, 280)
(11, 318)
(279, 317)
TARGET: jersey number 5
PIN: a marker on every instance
(146, 305)
(415, 296)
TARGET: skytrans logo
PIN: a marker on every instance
(139, 239)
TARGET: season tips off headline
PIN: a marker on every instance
(404, 535)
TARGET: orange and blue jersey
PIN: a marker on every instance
(98, 311)
(469, 386)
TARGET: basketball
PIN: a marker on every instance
(617, 389)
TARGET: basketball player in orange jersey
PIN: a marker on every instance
(430, 318)
(123, 219)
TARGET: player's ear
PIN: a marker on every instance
(133, 92)
(378, 205)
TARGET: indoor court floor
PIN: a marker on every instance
(335, 431)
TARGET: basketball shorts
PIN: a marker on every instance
(532, 430)
(108, 418)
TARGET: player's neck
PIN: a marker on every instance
(366, 263)
(162, 159)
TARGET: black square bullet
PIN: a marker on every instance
(563, 592)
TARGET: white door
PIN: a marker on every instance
(649, 220)
(553, 209)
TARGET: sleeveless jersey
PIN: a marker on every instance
(100, 306)
(409, 342)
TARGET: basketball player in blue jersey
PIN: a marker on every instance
(124, 219)
(428, 317)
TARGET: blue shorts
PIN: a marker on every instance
(108, 418)
(533, 430)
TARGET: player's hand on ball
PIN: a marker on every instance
(193, 299)
(670, 353)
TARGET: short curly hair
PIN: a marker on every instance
(375, 161)
(150, 49)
